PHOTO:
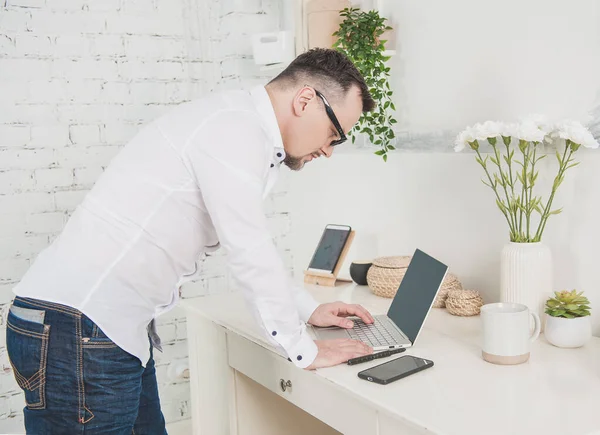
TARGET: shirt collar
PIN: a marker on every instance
(267, 113)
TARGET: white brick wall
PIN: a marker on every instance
(76, 81)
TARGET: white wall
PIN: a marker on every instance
(436, 202)
(459, 62)
(77, 79)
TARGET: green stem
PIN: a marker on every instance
(503, 177)
(509, 158)
(524, 201)
(510, 174)
(510, 225)
(546, 214)
(529, 207)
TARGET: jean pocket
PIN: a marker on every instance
(27, 346)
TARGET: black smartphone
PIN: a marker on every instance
(330, 247)
(395, 369)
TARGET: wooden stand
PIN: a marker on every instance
(329, 279)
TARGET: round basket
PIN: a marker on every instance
(464, 302)
(450, 283)
(385, 275)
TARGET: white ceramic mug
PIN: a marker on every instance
(506, 332)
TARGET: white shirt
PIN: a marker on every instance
(189, 182)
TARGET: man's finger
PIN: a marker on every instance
(357, 310)
(352, 343)
(355, 345)
(342, 322)
(367, 315)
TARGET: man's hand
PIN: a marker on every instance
(335, 313)
(334, 352)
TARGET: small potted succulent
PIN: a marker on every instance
(568, 321)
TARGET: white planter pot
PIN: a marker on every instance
(563, 332)
(526, 275)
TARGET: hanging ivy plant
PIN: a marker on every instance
(359, 38)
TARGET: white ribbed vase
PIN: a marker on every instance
(526, 275)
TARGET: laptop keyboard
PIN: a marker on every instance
(380, 333)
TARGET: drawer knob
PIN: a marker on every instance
(285, 385)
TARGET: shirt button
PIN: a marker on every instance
(299, 357)
(278, 154)
(272, 164)
(274, 333)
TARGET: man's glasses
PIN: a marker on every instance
(333, 119)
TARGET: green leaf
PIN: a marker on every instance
(380, 152)
(391, 147)
(501, 205)
(558, 181)
(385, 157)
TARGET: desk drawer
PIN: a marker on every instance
(308, 391)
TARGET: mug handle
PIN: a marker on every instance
(537, 328)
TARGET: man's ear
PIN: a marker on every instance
(302, 99)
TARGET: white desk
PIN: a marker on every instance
(236, 377)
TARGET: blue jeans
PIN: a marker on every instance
(75, 379)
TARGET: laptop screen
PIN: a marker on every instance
(416, 293)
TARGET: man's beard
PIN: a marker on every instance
(294, 163)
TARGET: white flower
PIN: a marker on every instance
(489, 129)
(575, 132)
(540, 121)
(529, 131)
(463, 139)
(509, 130)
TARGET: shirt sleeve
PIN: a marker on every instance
(305, 303)
(229, 158)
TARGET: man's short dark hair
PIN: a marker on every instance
(329, 70)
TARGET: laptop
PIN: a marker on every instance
(403, 322)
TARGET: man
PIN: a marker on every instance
(81, 329)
